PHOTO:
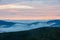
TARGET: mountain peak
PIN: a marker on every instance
(6, 24)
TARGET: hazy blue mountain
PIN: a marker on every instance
(19, 25)
(6, 24)
(56, 23)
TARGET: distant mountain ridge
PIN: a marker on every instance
(52, 22)
(56, 23)
(10, 26)
(6, 24)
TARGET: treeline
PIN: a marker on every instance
(46, 33)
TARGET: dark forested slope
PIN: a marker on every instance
(46, 33)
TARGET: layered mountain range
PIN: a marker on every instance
(30, 30)
(12, 26)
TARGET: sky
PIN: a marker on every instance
(29, 9)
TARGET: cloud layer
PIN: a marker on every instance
(12, 6)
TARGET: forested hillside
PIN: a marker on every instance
(46, 33)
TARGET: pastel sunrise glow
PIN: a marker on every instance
(9, 6)
(29, 9)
